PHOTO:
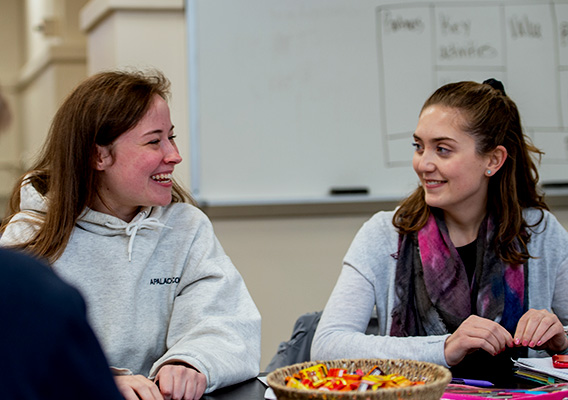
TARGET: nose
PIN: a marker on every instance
(171, 154)
(424, 162)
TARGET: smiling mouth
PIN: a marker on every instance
(162, 178)
(431, 182)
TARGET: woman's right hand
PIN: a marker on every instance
(137, 387)
(476, 333)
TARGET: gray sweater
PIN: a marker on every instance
(368, 280)
(159, 288)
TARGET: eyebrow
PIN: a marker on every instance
(436, 139)
(157, 131)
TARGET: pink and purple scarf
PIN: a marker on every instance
(434, 295)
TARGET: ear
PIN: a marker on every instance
(496, 160)
(103, 158)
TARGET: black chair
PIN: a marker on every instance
(297, 349)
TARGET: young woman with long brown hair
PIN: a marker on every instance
(102, 207)
(471, 269)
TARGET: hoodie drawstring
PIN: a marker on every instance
(131, 228)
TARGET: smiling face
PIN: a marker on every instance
(136, 169)
(454, 176)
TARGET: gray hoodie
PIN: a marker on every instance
(159, 288)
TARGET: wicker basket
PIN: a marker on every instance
(436, 379)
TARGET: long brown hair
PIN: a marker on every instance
(492, 119)
(96, 112)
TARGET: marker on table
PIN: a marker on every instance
(471, 382)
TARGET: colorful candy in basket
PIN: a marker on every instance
(319, 377)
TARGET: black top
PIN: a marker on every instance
(479, 364)
(48, 349)
(468, 254)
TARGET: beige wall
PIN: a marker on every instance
(290, 264)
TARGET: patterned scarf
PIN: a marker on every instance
(433, 293)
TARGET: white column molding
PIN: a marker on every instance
(50, 55)
(97, 10)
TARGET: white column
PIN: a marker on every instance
(54, 62)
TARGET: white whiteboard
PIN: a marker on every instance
(290, 98)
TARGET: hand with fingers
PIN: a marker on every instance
(473, 334)
(137, 387)
(541, 329)
(180, 382)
